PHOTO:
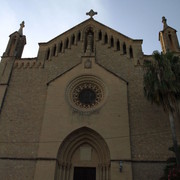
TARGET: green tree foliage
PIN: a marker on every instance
(162, 86)
(162, 80)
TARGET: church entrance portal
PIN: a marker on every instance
(83, 155)
(84, 173)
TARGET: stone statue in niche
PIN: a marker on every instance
(89, 42)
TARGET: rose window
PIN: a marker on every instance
(86, 93)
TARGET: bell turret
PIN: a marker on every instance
(168, 38)
(16, 43)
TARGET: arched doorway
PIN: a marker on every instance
(83, 155)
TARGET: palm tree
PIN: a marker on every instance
(162, 87)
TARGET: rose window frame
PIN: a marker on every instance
(92, 83)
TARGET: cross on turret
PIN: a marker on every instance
(164, 21)
(21, 28)
(16, 43)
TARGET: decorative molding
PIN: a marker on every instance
(74, 141)
(27, 64)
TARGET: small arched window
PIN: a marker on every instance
(79, 36)
(60, 46)
(124, 48)
(100, 35)
(171, 41)
(118, 45)
(112, 42)
(131, 52)
(105, 39)
(67, 43)
(170, 38)
(54, 50)
(48, 54)
(73, 39)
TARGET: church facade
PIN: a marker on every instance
(77, 110)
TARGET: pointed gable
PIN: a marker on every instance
(79, 34)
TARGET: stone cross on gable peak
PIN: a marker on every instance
(91, 13)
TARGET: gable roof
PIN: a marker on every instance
(166, 29)
(86, 23)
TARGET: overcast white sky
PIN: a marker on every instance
(46, 19)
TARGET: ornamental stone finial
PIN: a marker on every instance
(164, 21)
(91, 13)
(22, 25)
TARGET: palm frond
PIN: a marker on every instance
(162, 80)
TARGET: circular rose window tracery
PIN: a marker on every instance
(86, 93)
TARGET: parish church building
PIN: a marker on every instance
(77, 111)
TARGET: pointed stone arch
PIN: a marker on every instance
(75, 140)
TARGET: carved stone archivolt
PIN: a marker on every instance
(86, 93)
(65, 165)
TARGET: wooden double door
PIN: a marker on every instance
(84, 173)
